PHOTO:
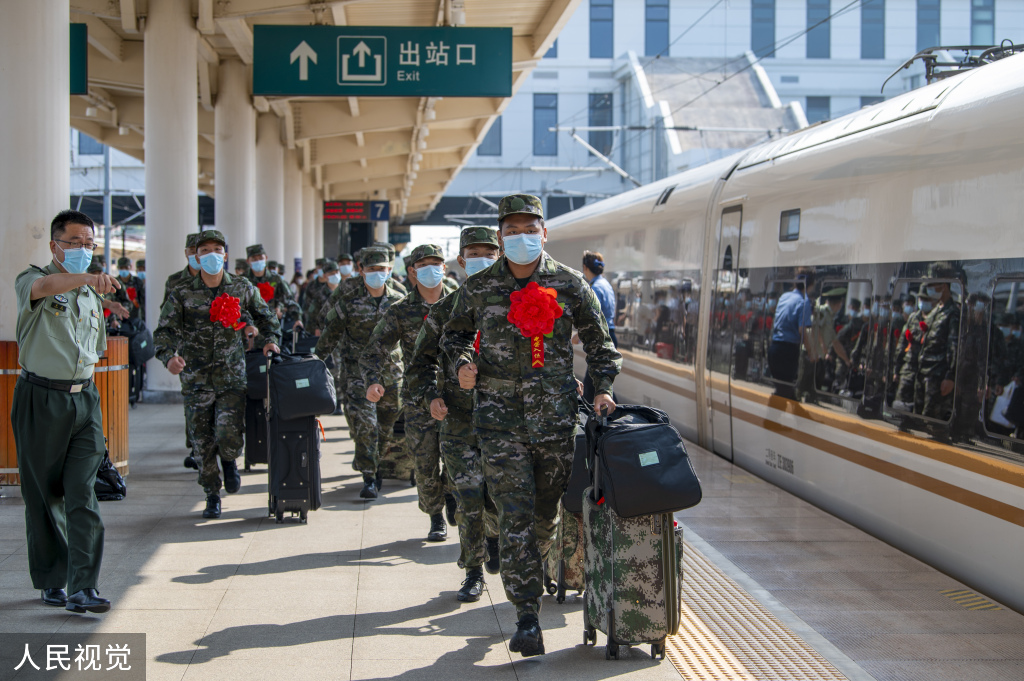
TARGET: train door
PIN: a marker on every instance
(721, 338)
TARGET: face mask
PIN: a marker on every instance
(979, 306)
(142, 276)
(345, 270)
(124, 273)
(318, 273)
(854, 314)
(375, 279)
(523, 249)
(1005, 330)
(76, 260)
(430, 276)
(924, 305)
(883, 313)
(908, 309)
(258, 265)
(933, 292)
(388, 275)
(334, 278)
(211, 262)
(746, 305)
(193, 262)
(474, 265)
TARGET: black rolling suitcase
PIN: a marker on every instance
(256, 443)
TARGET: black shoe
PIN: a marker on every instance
(232, 478)
(379, 482)
(191, 462)
(493, 563)
(472, 586)
(438, 531)
(338, 411)
(212, 506)
(528, 639)
(87, 600)
(449, 508)
(369, 490)
(54, 597)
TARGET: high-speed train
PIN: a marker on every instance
(870, 203)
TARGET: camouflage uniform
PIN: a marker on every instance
(399, 328)
(391, 263)
(314, 297)
(132, 287)
(523, 416)
(282, 299)
(348, 327)
(938, 359)
(908, 352)
(184, 275)
(213, 380)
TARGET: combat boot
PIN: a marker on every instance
(472, 586)
(212, 506)
(379, 482)
(449, 508)
(369, 490)
(528, 639)
(232, 478)
(438, 531)
(493, 563)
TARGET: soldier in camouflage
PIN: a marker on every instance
(908, 353)
(191, 269)
(314, 288)
(345, 266)
(936, 374)
(241, 267)
(433, 382)
(315, 296)
(525, 404)
(348, 326)
(259, 273)
(211, 360)
(398, 330)
(132, 293)
(391, 263)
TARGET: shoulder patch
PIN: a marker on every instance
(60, 298)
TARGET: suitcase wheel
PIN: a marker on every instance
(248, 466)
(280, 517)
(302, 516)
(658, 651)
(590, 636)
(611, 651)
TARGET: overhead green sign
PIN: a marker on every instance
(368, 61)
(79, 59)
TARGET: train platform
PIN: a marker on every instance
(775, 589)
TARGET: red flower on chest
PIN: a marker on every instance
(226, 310)
(266, 291)
(534, 310)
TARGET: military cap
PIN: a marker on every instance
(140, 264)
(94, 268)
(388, 247)
(374, 256)
(192, 240)
(837, 292)
(241, 263)
(123, 262)
(211, 235)
(329, 265)
(520, 203)
(426, 251)
(478, 235)
(272, 264)
(344, 256)
(943, 270)
(254, 250)
(97, 260)
(320, 262)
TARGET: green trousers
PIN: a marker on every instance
(59, 439)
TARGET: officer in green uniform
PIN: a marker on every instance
(525, 406)
(56, 417)
(348, 326)
(260, 273)
(433, 382)
(209, 353)
(398, 330)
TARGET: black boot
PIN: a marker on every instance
(232, 478)
(369, 490)
(87, 600)
(493, 563)
(472, 586)
(450, 508)
(528, 639)
(438, 531)
(212, 506)
(379, 482)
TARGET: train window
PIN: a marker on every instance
(840, 335)
(789, 225)
(1002, 408)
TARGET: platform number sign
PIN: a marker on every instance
(357, 210)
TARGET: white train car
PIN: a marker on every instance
(870, 203)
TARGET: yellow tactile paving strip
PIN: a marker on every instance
(969, 599)
(727, 635)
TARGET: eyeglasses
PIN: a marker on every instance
(78, 244)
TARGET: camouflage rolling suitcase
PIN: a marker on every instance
(565, 560)
(633, 569)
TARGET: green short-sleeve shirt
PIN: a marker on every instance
(60, 337)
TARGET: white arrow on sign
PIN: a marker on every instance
(363, 51)
(304, 53)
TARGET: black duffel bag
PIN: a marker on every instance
(109, 484)
(579, 478)
(140, 341)
(303, 342)
(255, 375)
(300, 386)
(640, 463)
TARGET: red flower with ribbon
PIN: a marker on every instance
(924, 327)
(266, 291)
(227, 310)
(476, 343)
(534, 310)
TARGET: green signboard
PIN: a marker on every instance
(368, 61)
(79, 59)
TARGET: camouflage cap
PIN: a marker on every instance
(344, 256)
(329, 265)
(520, 203)
(124, 262)
(272, 264)
(374, 256)
(254, 250)
(97, 260)
(943, 270)
(211, 235)
(837, 292)
(389, 247)
(140, 264)
(192, 240)
(320, 262)
(94, 268)
(241, 264)
(426, 251)
(478, 235)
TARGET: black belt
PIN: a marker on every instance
(63, 386)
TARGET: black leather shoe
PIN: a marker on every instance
(450, 508)
(493, 563)
(369, 490)
(191, 462)
(472, 586)
(438, 531)
(54, 597)
(528, 639)
(232, 478)
(87, 600)
(212, 506)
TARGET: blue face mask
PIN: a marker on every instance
(375, 279)
(474, 265)
(212, 263)
(523, 249)
(908, 309)
(924, 305)
(76, 260)
(141, 276)
(883, 313)
(345, 270)
(430, 275)
(193, 262)
(334, 278)
(124, 274)
(258, 265)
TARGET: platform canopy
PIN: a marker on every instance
(405, 149)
